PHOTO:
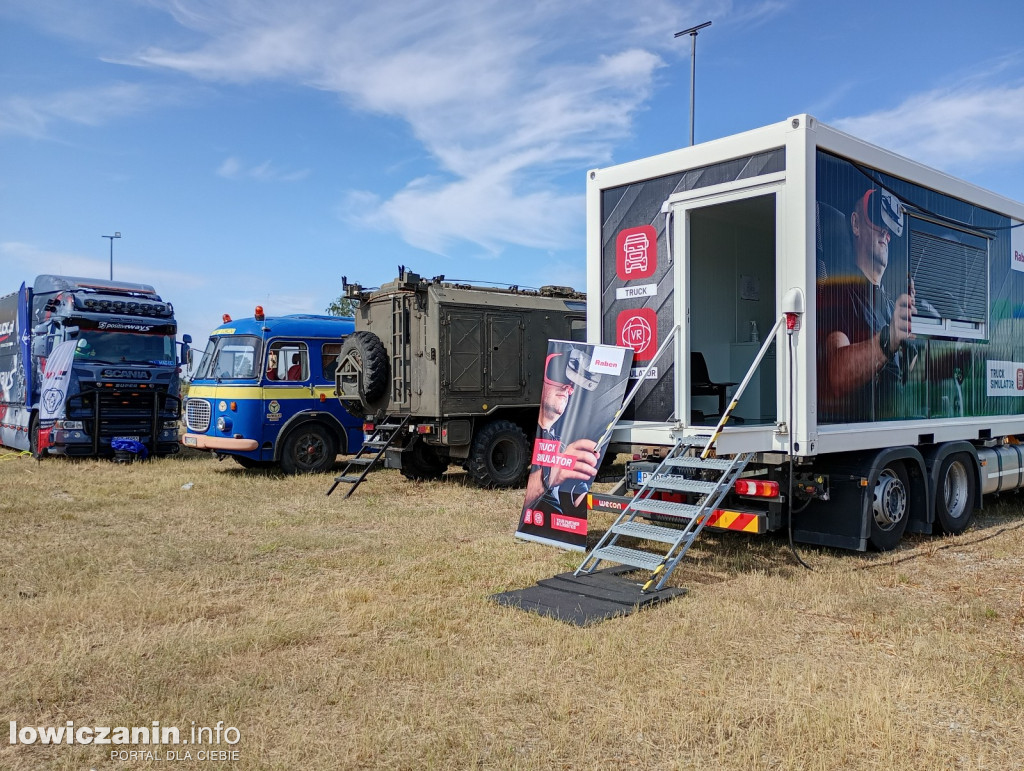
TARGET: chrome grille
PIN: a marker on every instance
(197, 415)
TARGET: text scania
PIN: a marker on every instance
(135, 374)
(154, 734)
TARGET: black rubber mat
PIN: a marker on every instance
(587, 599)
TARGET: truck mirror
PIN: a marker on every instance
(186, 339)
(70, 333)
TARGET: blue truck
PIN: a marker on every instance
(264, 394)
(88, 367)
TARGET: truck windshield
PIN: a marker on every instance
(230, 358)
(133, 347)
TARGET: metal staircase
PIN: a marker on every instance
(685, 469)
(369, 455)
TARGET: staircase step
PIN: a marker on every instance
(632, 557)
(680, 484)
(375, 443)
(347, 479)
(667, 508)
(650, 532)
(364, 461)
(691, 461)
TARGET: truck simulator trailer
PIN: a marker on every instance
(87, 363)
(870, 308)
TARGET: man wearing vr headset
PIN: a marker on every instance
(863, 334)
(562, 374)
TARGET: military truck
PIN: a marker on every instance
(460, 367)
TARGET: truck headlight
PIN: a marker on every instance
(224, 424)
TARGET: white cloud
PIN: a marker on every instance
(504, 96)
(25, 261)
(957, 130)
(90, 107)
(233, 168)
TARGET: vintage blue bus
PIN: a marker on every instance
(264, 394)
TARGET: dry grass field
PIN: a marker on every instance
(340, 634)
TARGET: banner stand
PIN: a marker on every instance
(584, 386)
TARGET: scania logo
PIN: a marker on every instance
(125, 374)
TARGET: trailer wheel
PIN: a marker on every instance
(309, 449)
(421, 462)
(955, 493)
(499, 456)
(890, 507)
(365, 353)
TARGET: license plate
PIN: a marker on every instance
(129, 438)
(642, 477)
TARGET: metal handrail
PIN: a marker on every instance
(743, 385)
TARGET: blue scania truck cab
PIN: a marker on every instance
(88, 367)
(264, 394)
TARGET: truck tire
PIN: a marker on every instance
(499, 455)
(421, 462)
(890, 507)
(955, 493)
(33, 437)
(369, 356)
(308, 449)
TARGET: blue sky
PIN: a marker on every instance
(254, 151)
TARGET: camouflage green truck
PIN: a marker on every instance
(461, 365)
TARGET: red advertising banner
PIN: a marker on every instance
(583, 390)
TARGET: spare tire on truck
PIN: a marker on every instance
(363, 355)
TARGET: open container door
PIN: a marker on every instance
(725, 245)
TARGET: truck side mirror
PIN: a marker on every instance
(186, 351)
(39, 347)
(70, 333)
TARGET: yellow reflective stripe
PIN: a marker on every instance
(239, 393)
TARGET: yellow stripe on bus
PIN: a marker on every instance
(257, 392)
